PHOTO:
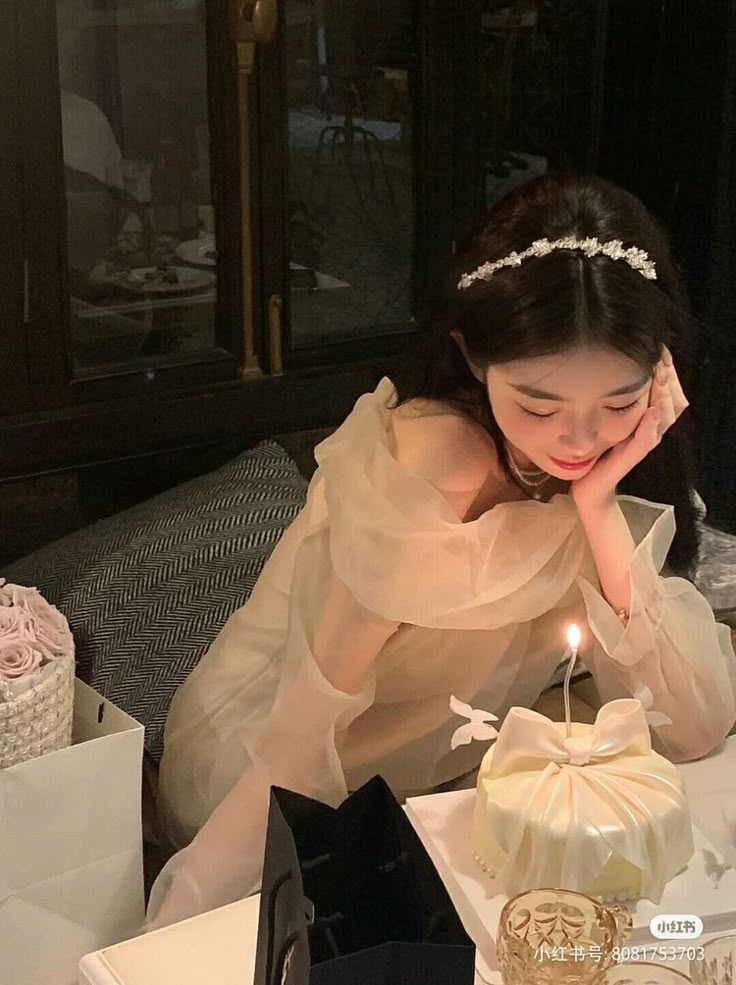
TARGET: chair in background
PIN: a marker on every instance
(363, 44)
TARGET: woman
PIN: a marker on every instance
(452, 530)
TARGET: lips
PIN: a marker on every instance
(573, 466)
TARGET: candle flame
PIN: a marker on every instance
(573, 636)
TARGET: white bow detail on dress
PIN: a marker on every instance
(654, 718)
(477, 727)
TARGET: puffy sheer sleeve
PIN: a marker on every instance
(673, 655)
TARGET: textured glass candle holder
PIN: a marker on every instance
(557, 937)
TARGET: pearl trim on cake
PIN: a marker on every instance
(622, 897)
(486, 868)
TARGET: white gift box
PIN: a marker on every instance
(214, 948)
(71, 862)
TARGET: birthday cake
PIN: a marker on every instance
(596, 811)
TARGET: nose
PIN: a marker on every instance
(580, 438)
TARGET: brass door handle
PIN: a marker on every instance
(265, 19)
(250, 24)
(254, 22)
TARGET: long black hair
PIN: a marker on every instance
(558, 303)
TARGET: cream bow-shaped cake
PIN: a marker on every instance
(597, 812)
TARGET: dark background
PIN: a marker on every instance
(642, 93)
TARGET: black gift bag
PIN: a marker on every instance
(350, 897)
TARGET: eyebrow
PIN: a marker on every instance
(530, 391)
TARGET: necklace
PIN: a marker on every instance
(533, 478)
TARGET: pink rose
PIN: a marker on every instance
(21, 595)
(18, 659)
(5, 596)
(15, 625)
(50, 628)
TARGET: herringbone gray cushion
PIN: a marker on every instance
(147, 590)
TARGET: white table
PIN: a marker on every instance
(219, 947)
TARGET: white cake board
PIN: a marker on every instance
(443, 822)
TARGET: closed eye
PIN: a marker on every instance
(532, 413)
(628, 407)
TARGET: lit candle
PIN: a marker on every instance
(573, 640)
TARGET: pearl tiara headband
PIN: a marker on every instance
(637, 259)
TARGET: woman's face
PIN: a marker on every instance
(563, 412)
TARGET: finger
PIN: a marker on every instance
(679, 400)
(653, 389)
(664, 404)
(627, 455)
(649, 432)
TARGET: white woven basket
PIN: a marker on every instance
(40, 720)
